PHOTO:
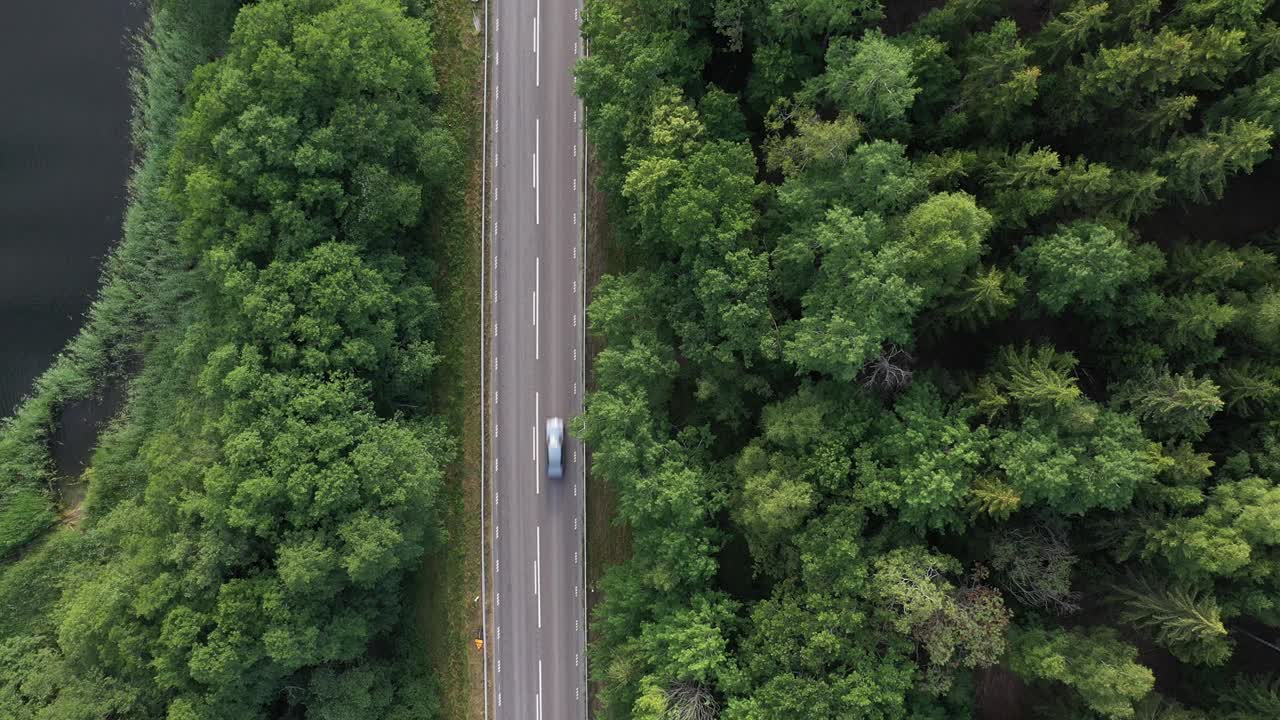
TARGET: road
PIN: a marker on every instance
(538, 627)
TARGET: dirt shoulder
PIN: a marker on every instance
(447, 586)
(607, 544)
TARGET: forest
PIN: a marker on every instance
(940, 371)
(254, 512)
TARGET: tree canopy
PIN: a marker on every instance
(253, 517)
(954, 333)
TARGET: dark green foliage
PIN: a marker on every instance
(960, 291)
(1085, 266)
(1252, 698)
(872, 279)
(1198, 165)
(814, 657)
(254, 512)
(1170, 405)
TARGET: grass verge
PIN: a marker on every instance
(608, 544)
(447, 618)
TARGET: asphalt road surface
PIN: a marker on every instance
(538, 632)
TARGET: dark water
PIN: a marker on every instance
(64, 161)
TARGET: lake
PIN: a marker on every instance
(64, 162)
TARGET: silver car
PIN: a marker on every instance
(555, 444)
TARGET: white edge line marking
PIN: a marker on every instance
(484, 610)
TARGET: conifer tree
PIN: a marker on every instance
(1186, 621)
(1171, 405)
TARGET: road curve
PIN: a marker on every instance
(538, 628)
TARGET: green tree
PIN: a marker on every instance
(876, 177)
(803, 19)
(1075, 470)
(1093, 662)
(281, 509)
(1170, 405)
(1249, 387)
(690, 644)
(773, 501)
(863, 267)
(665, 498)
(956, 627)
(1152, 64)
(1190, 325)
(1251, 697)
(1259, 102)
(834, 335)
(1036, 378)
(1072, 30)
(1198, 166)
(1239, 520)
(1186, 621)
(998, 82)
(886, 285)
(814, 656)
(993, 496)
(871, 78)
(988, 296)
(922, 461)
(1085, 266)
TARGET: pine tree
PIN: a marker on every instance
(1250, 387)
(1153, 62)
(1183, 472)
(1198, 166)
(1262, 319)
(999, 83)
(1171, 405)
(1258, 101)
(1134, 15)
(993, 497)
(1183, 620)
(1251, 698)
(1071, 30)
(1157, 707)
(1160, 117)
(1039, 377)
(986, 297)
(1191, 323)
(1209, 266)
(988, 397)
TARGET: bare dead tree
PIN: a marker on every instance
(890, 372)
(1035, 567)
(688, 700)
